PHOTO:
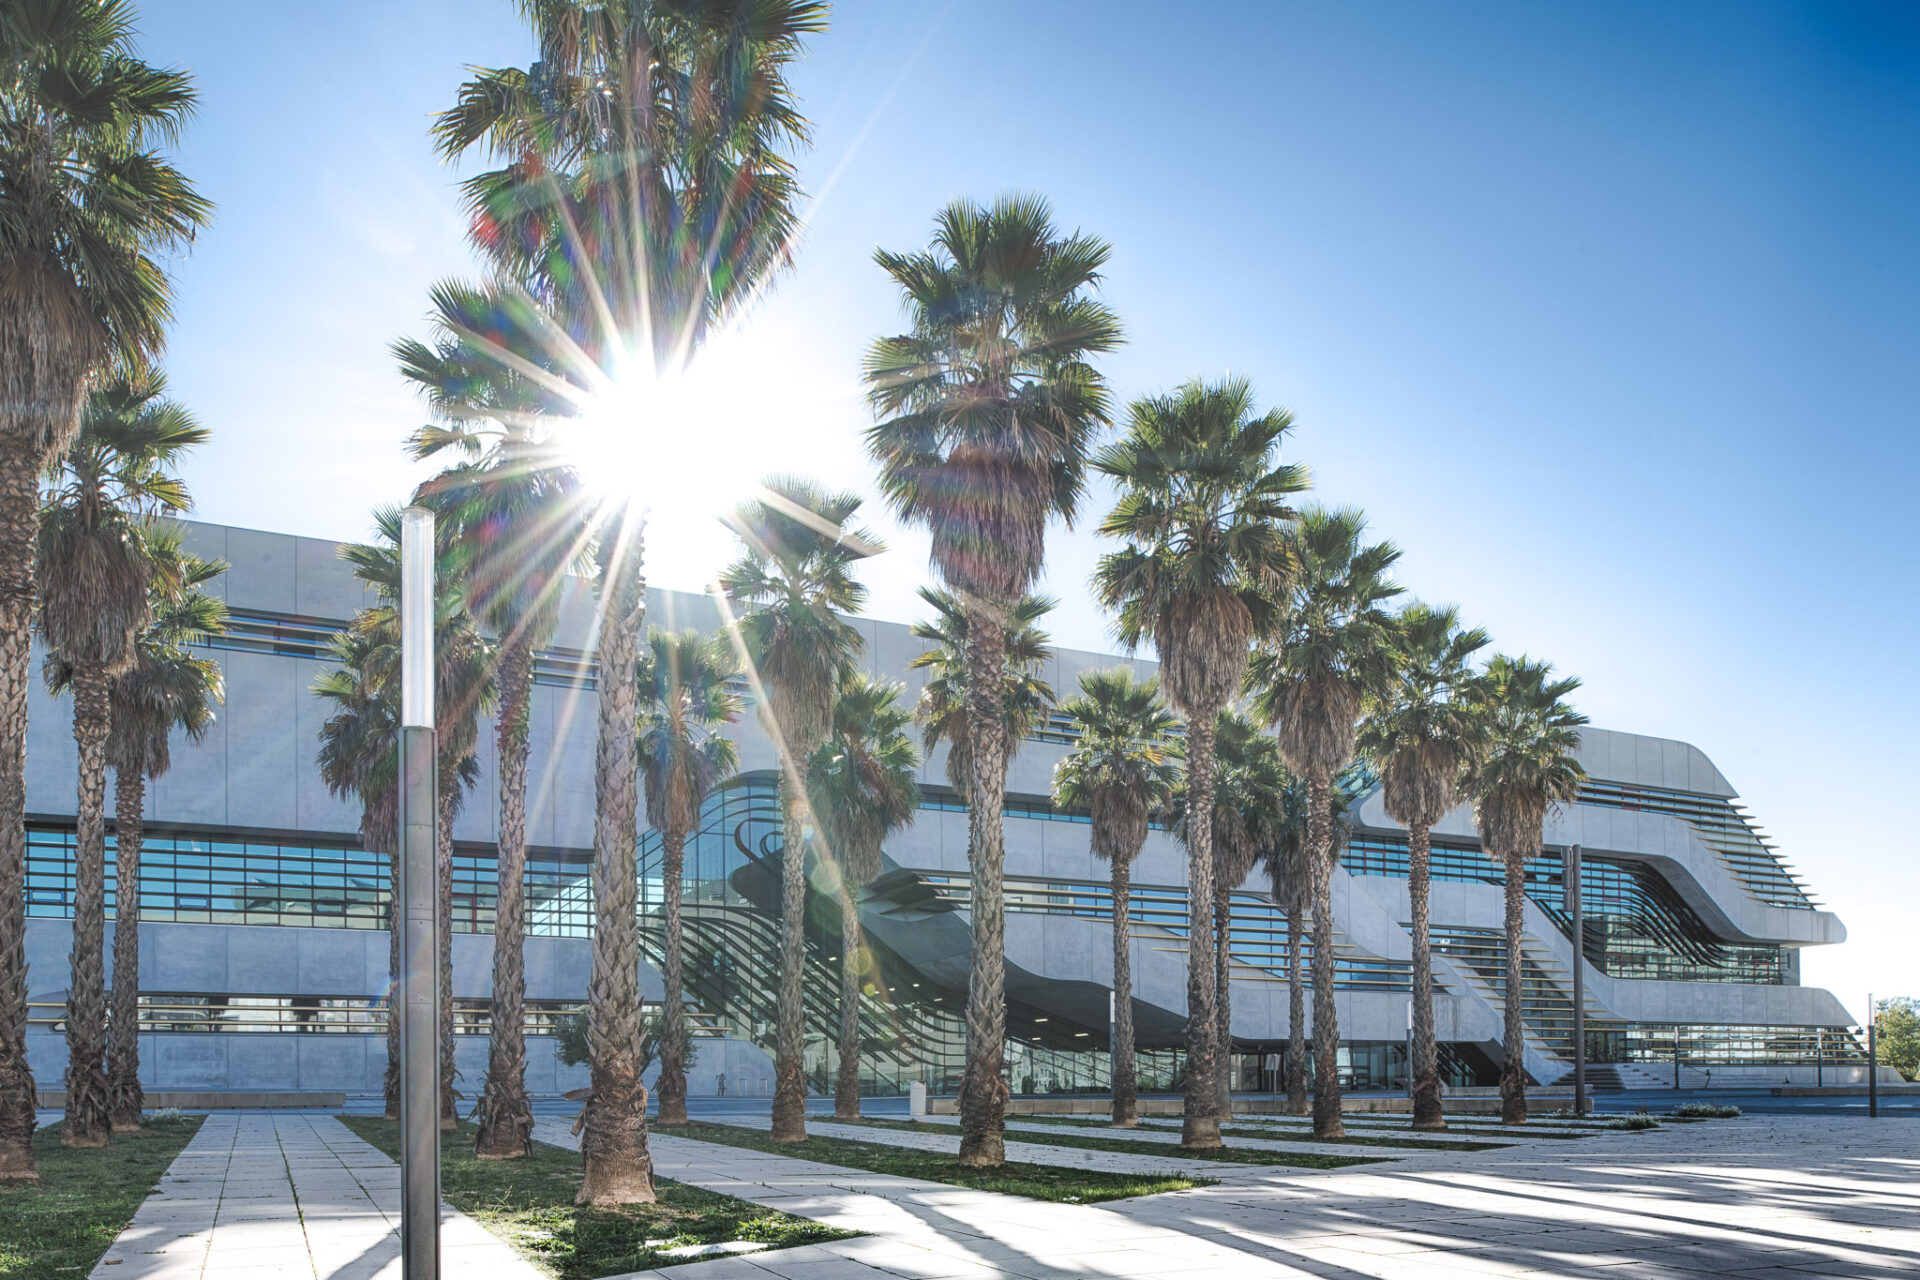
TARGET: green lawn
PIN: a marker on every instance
(530, 1203)
(1274, 1133)
(1133, 1146)
(1035, 1181)
(61, 1227)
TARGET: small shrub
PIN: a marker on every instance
(1638, 1120)
(164, 1113)
(1706, 1111)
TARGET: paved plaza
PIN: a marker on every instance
(259, 1196)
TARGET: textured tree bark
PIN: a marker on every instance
(1326, 1016)
(1126, 1087)
(983, 1086)
(1296, 1022)
(124, 1097)
(613, 1143)
(1222, 995)
(87, 1123)
(846, 1085)
(789, 1072)
(1200, 1126)
(1513, 1071)
(1426, 1058)
(506, 1116)
(671, 1087)
(449, 807)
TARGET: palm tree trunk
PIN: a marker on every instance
(124, 1098)
(672, 1085)
(1326, 1017)
(506, 1117)
(846, 1090)
(983, 1087)
(1222, 996)
(449, 804)
(87, 1122)
(613, 1144)
(1513, 1071)
(1200, 1126)
(1296, 1021)
(1426, 1057)
(789, 1070)
(1126, 1090)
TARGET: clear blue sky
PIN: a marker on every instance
(1605, 311)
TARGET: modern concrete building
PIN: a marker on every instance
(263, 951)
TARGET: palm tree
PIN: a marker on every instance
(1250, 783)
(1523, 765)
(646, 196)
(1123, 768)
(864, 784)
(95, 577)
(1419, 736)
(508, 510)
(1335, 648)
(988, 405)
(464, 665)
(686, 696)
(944, 710)
(166, 688)
(91, 208)
(1203, 513)
(792, 583)
(1289, 864)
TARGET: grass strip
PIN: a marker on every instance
(529, 1203)
(85, 1198)
(1273, 1133)
(1134, 1147)
(1456, 1126)
(1034, 1181)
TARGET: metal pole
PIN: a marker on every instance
(1819, 1057)
(1570, 882)
(1873, 1060)
(418, 920)
(1676, 1056)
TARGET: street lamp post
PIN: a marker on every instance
(416, 917)
(1570, 883)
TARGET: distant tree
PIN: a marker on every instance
(168, 687)
(794, 584)
(1419, 734)
(1124, 767)
(943, 710)
(1523, 766)
(97, 578)
(1897, 1030)
(865, 787)
(685, 698)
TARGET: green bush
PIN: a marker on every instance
(1706, 1111)
(1638, 1120)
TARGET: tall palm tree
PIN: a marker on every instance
(88, 210)
(944, 709)
(1419, 736)
(646, 194)
(864, 785)
(1123, 768)
(792, 582)
(988, 405)
(513, 521)
(1335, 648)
(685, 698)
(1523, 765)
(1203, 515)
(96, 573)
(168, 687)
(464, 664)
(1249, 788)
(1289, 863)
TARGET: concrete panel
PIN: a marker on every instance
(188, 959)
(261, 571)
(264, 1061)
(264, 693)
(339, 1062)
(337, 960)
(191, 1061)
(324, 585)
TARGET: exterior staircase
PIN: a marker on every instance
(1546, 1003)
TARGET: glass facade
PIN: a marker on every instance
(1636, 925)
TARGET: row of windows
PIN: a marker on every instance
(1722, 826)
(1636, 925)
